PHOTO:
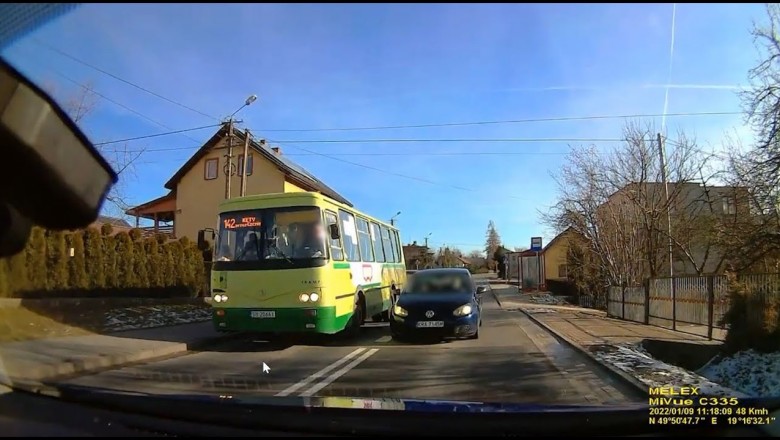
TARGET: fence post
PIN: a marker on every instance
(710, 305)
(674, 303)
(647, 301)
(623, 300)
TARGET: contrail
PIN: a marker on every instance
(669, 77)
(695, 86)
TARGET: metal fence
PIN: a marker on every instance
(688, 304)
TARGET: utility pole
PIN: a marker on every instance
(229, 156)
(662, 154)
(672, 288)
(246, 159)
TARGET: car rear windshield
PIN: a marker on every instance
(446, 282)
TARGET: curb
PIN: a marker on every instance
(93, 364)
(624, 377)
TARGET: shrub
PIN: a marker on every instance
(753, 318)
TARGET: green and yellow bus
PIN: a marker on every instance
(301, 263)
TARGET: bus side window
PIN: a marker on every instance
(387, 245)
(396, 244)
(335, 244)
(364, 238)
(349, 236)
(376, 240)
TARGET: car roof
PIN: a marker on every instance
(444, 270)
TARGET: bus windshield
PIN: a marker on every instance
(293, 233)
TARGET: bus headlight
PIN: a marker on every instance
(304, 297)
(220, 297)
(313, 297)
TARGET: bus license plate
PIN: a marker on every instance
(263, 314)
(428, 324)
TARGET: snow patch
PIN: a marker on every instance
(545, 298)
(634, 360)
(753, 373)
(132, 318)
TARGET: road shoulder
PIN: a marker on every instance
(45, 359)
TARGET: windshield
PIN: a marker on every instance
(273, 233)
(440, 283)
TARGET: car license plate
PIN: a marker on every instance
(429, 324)
(263, 314)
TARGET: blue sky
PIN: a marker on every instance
(333, 66)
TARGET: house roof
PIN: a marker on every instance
(557, 238)
(113, 221)
(292, 170)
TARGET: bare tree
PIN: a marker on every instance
(520, 248)
(476, 254)
(754, 236)
(758, 169)
(762, 100)
(79, 106)
(616, 202)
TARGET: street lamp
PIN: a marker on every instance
(392, 219)
(426, 239)
(229, 156)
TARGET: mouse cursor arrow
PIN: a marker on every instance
(266, 368)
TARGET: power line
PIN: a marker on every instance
(508, 121)
(368, 141)
(117, 103)
(91, 66)
(419, 179)
(157, 135)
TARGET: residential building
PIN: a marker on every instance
(554, 257)
(638, 207)
(200, 184)
(117, 224)
(418, 257)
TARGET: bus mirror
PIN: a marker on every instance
(202, 245)
(333, 229)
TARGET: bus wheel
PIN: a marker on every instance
(356, 322)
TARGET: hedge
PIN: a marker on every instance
(753, 318)
(125, 264)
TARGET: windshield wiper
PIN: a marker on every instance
(273, 245)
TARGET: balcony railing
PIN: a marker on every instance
(150, 231)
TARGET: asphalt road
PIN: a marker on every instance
(513, 361)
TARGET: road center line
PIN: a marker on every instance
(296, 386)
(328, 380)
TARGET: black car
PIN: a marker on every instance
(438, 302)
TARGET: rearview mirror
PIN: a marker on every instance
(481, 290)
(65, 179)
(333, 230)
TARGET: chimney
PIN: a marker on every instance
(277, 151)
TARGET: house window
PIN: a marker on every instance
(729, 205)
(249, 165)
(562, 272)
(210, 171)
